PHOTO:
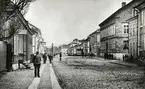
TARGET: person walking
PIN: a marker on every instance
(37, 64)
(60, 55)
(50, 58)
(44, 58)
(105, 56)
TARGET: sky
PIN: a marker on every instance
(61, 21)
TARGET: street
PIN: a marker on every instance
(72, 44)
(88, 73)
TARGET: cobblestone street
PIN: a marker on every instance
(19, 79)
(85, 73)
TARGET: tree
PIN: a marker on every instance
(8, 10)
(10, 6)
(12, 28)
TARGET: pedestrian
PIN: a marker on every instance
(50, 58)
(37, 64)
(60, 55)
(44, 58)
(82, 54)
(105, 56)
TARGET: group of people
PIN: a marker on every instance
(36, 59)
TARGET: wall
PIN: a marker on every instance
(3, 49)
(141, 28)
(112, 31)
(29, 47)
(133, 37)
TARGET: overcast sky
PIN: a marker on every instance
(61, 21)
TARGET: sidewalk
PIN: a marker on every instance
(24, 79)
(47, 79)
(123, 63)
(119, 62)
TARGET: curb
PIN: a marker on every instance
(36, 80)
(54, 81)
(123, 64)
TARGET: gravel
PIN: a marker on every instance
(19, 79)
(76, 73)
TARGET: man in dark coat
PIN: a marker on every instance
(37, 64)
(60, 55)
(50, 58)
(44, 57)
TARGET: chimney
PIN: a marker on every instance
(123, 4)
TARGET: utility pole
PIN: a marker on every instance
(52, 51)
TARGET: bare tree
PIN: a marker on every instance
(11, 28)
(10, 7)
(8, 14)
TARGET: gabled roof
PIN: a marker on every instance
(23, 21)
(141, 5)
(119, 10)
(93, 33)
(35, 29)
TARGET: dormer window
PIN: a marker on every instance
(134, 12)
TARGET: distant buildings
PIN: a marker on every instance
(85, 47)
(122, 33)
(94, 43)
(64, 50)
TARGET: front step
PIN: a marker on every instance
(23, 63)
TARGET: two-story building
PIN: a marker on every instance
(132, 35)
(141, 28)
(36, 38)
(72, 50)
(21, 42)
(114, 31)
(86, 47)
(92, 43)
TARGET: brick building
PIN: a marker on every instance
(94, 42)
(114, 31)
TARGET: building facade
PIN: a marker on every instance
(73, 47)
(133, 36)
(141, 28)
(37, 36)
(86, 47)
(114, 31)
(93, 43)
(98, 42)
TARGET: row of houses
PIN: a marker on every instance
(86, 47)
(19, 40)
(122, 33)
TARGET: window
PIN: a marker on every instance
(125, 44)
(134, 49)
(126, 28)
(134, 12)
(134, 30)
(130, 30)
(141, 17)
(131, 48)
